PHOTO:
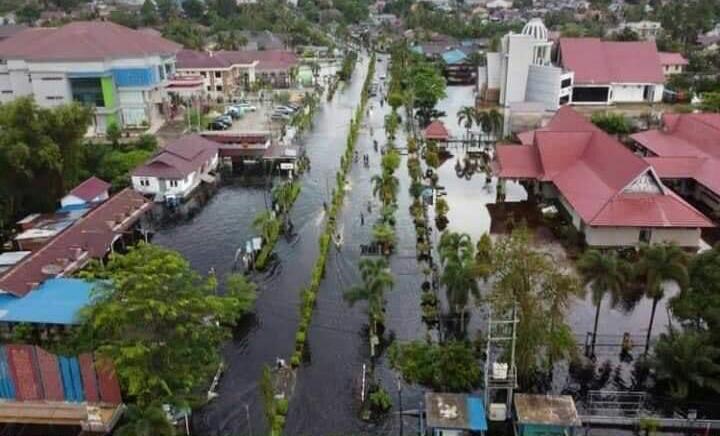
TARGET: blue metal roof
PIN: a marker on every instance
(454, 56)
(476, 414)
(56, 301)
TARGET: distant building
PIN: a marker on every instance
(546, 415)
(685, 153)
(92, 190)
(177, 169)
(646, 30)
(121, 73)
(672, 63)
(612, 196)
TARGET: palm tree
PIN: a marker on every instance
(457, 255)
(490, 121)
(376, 279)
(385, 187)
(266, 224)
(384, 235)
(148, 421)
(658, 264)
(466, 117)
(603, 273)
(686, 360)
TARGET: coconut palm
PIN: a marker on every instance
(490, 121)
(266, 224)
(686, 360)
(147, 421)
(603, 273)
(385, 187)
(466, 118)
(459, 275)
(384, 234)
(377, 279)
(659, 264)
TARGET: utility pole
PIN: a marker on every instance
(400, 414)
(247, 415)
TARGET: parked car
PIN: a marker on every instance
(245, 107)
(227, 119)
(279, 116)
(217, 125)
(234, 112)
(285, 109)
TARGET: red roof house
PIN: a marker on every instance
(686, 153)
(672, 63)
(436, 131)
(612, 195)
(92, 190)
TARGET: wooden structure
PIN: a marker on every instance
(436, 131)
(546, 415)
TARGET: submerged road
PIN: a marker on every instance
(211, 238)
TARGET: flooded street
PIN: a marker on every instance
(211, 238)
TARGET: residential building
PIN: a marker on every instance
(609, 194)
(92, 236)
(225, 73)
(646, 30)
(175, 171)
(672, 63)
(121, 73)
(685, 153)
(522, 70)
(608, 72)
(92, 190)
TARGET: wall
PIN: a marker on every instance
(612, 236)
(543, 85)
(51, 89)
(627, 93)
(515, 71)
(493, 70)
(681, 237)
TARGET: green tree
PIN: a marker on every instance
(698, 305)
(194, 9)
(612, 123)
(145, 421)
(466, 117)
(390, 161)
(385, 187)
(685, 362)
(449, 367)
(659, 264)
(148, 13)
(160, 323)
(113, 134)
(459, 275)
(603, 273)
(167, 9)
(376, 280)
(28, 14)
(491, 121)
(185, 32)
(392, 122)
(384, 234)
(267, 225)
(428, 87)
(710, 102)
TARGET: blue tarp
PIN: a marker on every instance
(454, 57)
(56, 301)
(476, 414)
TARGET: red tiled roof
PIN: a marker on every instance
(668, 58)
(90, 237)
(437, 131)
(84, 41)
(688, 146)
(595, 173)
(603, 62)
(267, 60)
(90, 188)
(179, 158)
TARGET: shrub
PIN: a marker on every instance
(300, 337)
(282, 406)
(295, 359)
(380, 401)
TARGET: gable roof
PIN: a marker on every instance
(604, 182)
(669, 58)
(603, 62)
(264, 60)
(436, 130)
(90, 237)
(90, 188)
(179, 158)
(85, 41)
(688, 146)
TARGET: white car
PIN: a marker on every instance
(285, 109)
(246, 107)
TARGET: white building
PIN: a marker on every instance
(522, 70)
(118, 71)
(646, 30)
(178, 169)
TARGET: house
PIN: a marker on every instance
(120, 72)
(608, 72)
(457, 67)
(547, 415)
(454, 414)
(646, 30)
(672, 63)
(227, 72)
(522, 71)
(92, 190)
(176, 170)
(685, 153)
(611, 195)
(92, 236)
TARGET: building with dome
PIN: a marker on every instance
(530, 68)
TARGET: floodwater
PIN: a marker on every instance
(328, 381)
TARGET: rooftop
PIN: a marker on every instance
(668, 58)
(223, 59)
(56, 301)
(604, 182)
(90, 189)
(603, 62)
(436, 131)
(178, 158)
(84, 41)
(455, 411)
(546, 410)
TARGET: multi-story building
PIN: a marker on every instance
(118, 71)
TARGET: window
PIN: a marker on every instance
(47, 79)
(565, 83)
(87, 90)
(173, 183)
(218, 88)
(203, 73)
(208, 87)
(7, 91)
(54, 97)
(161, 71)
(645, 235)
(144, 182)
(218, 74)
